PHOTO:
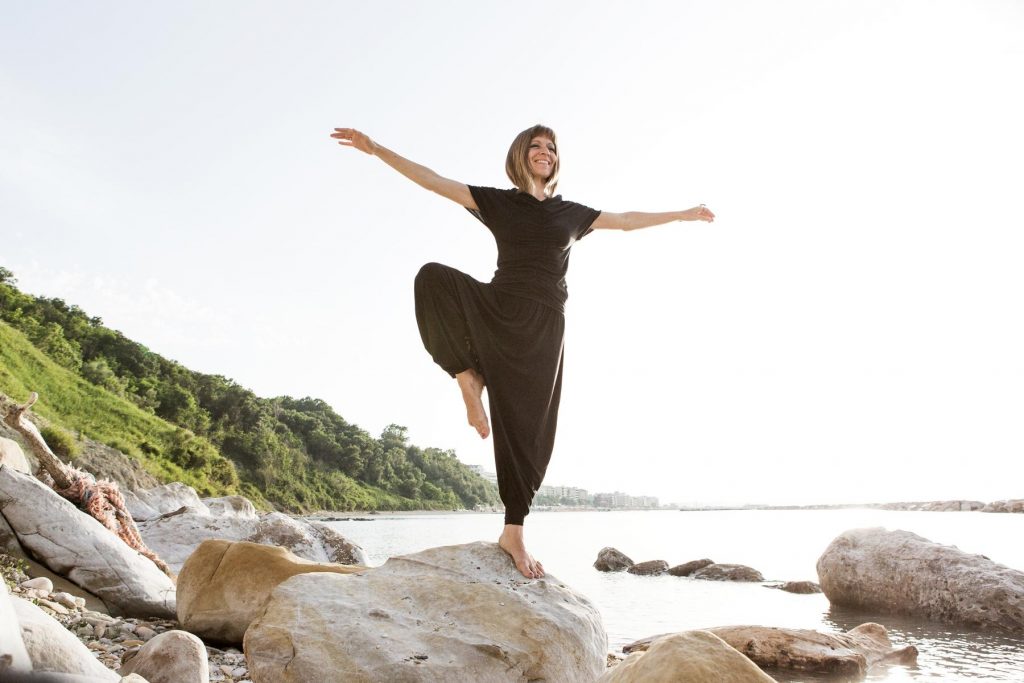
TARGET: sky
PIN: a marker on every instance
(849, 329)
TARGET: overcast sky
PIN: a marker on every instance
(849, 329)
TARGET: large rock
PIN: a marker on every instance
(51, 647)
(12, 456)
(171, 498)
(176, 534)
(688, 657)
(900, 572)
(688, 568)
(612, 560)
(848, 654)
(225, 585)
(456, 613)
(76, 546)
(171, 657)
(14, 657)
(727, 572)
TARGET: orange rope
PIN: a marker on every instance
(103, 501)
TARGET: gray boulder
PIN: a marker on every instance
(176, 534)
(903, 573)
(455, 613)
(74, 545)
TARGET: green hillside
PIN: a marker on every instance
(168, 452)
(208, 431)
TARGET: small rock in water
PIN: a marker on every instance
(728, 572)
(688, 568)
(649, 568)
(612, 560)
(802, 587)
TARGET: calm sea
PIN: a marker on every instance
(783, 545)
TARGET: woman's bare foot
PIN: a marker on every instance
(471, 383)
(511, 541)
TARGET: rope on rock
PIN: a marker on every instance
(103, 501)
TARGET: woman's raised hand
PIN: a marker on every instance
(698, 213)
(350, 137)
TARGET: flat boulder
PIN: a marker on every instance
(687, 657)
(455, 613)
(727, 572)
(225, 585)
(649, 568)
(612, 560)
(903, 573)
(74, 545)
(849, 654)
(688, 568)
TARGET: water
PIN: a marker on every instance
(783, 545)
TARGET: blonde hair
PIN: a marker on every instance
(517, 164)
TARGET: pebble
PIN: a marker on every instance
(40, 582)
(65, 599)
(146, 634)
(55, 606)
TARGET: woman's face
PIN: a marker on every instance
(541, 157)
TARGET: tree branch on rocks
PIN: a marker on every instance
(100, 499)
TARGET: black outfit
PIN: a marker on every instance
(510, 330)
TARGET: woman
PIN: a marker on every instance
(507, 335)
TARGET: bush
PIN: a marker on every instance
(60, 442)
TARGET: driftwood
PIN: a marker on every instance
(15, 419)
(100, 499)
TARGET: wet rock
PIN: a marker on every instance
(801, 587)
(224, 586)
(688, 657)
(649, 568)
(688, 568)
(456, 613)
(903, 573)
(727, 572)
(612, 560)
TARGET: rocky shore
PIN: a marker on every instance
(268, 598)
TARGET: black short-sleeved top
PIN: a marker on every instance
(534, 238)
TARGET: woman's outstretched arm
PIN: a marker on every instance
(634, 220)
(421, 175)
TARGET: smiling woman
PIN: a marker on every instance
(507, 335)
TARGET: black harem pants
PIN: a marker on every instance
(517, 345)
